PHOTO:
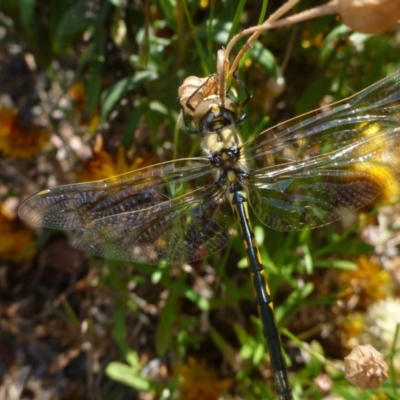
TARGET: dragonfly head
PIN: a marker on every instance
(212, 116)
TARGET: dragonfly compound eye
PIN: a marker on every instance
(212, 116)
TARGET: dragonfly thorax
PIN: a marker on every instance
(224, 144)
(224, 150)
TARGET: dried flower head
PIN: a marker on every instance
(365, 367)
(194, 90)
(369, 16)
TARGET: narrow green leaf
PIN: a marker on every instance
(292, 302)
(339, 264)
(308, 261)
(131, 125)
(116, 92)
(165, 325)
(132, 358)
(116, 3)
(94, 87)
(265, 58)
(236, 19)
(258, 353)
(329, 44)
(27, 10)
(125, 374)
(74, 21)
(224, 346)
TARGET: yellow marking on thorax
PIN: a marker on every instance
(227, 138)
(231, 176)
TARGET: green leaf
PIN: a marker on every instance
(131, 125)
(74, 21)
(224, 346)
(94, 86)
(116, 3)
(127, 375)
(119, 329)
(307, 259)
(236, 20)
(27, 10)
(295, 299)
(132, 358)
(165, 325)
(339, 264)
(197, 299)
(265, 58)
(116, 92)
(329, 44)
(258, 353)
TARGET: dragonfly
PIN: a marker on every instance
(305, 173)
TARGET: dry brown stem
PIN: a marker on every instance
(274, 22)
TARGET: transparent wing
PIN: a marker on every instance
(72, 207)
(315, 168)
(169, 211)
(184, 229)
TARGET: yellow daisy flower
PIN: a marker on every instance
(17, 140)
(380, 172)
(351, 329)
(366, 284)
(102, 165)
(16, 240)
(77, 94)
(200, 382)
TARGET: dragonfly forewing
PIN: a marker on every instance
(185, 229)
(315, 169)
(72, 207)
(172, 212)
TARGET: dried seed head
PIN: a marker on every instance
(365, 367)
(205, 87)
(369, 16)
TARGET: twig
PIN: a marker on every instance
(274, 22)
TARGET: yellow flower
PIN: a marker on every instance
(200, 382)
(351, 329)
(17, 140)
(203, 4)
(378, 396)
(78, 96)
(102, 165)
(16, 240)
(366, 284)
(384, 174)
